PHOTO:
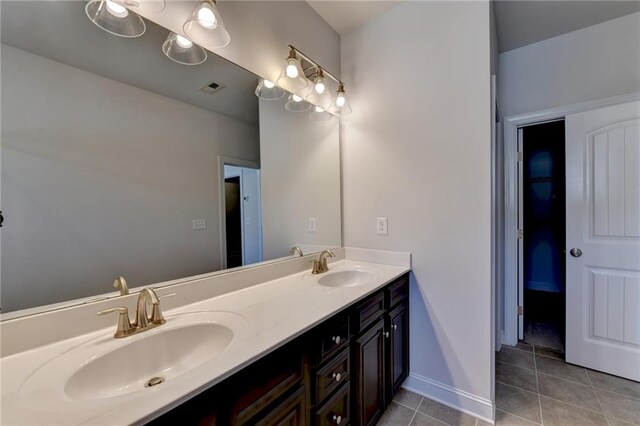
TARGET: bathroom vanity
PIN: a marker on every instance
(343, 371)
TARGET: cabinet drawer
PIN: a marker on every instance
(337, 410)
(397, 292)
(332, 376)
(334, 337)
(368, 312)
(291, 412)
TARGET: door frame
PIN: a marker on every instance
(228, 161)
(512, 125)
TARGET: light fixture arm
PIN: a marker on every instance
(293, 51)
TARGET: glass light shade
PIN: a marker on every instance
(292, 78)
(153, 6)
(268, 91)
(115, 18)
(297, 104)
(206, 24)
(341, 105)
(324, 99)
(319, 114)
(183, 51)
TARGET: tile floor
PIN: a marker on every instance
(534, 386)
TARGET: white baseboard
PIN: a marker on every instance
(455, 398)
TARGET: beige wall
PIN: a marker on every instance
(300, 179)
(101, 179)
(417, 149)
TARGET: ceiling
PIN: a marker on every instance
(520, 23)
(61, 31)
(345, 16)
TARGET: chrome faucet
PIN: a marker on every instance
(143, 321)
(296, 249)
(320, 266)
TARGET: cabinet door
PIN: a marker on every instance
(397, 349)
(369, 355)
(291, 412)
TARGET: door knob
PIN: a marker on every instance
(575, 252)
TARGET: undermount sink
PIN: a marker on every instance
(346, 278)
(106, 367)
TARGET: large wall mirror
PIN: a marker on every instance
(117, 161)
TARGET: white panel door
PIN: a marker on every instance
(603, 239)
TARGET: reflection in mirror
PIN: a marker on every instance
(117, 161)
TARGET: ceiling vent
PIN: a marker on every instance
(212, 87)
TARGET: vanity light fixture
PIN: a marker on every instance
(341, 105)
(318, 94)
(268, 90)
(183, 51)
(296, 104)
(154, 6)
(319, 114)
(292, 77)
(114, 18)
(206, 24)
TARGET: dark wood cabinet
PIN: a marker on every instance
(369, 353)
(345, 371)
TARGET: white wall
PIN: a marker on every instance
(417, 149)
(591, 63)
(300, 179)
(101, 179)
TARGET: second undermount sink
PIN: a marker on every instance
(346, 278)
(106, 367)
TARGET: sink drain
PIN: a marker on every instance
(153, 382)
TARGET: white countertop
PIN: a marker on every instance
(272, 313)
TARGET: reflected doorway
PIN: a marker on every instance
(242, 222)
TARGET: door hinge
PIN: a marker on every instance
(520, 310)
(520, 234)
(520, 156)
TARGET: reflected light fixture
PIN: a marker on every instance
(341, 105)
(319, 114)
(114, 18)
(292, 77)
(268, 90)
(206, 24)
(183, 51)
(296, 104)
(153, 6)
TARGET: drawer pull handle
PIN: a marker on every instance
(338, 376)
(337, 419)
(336, 339)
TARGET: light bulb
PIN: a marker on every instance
(341, 100)
(319, 109)
(268, 84)
(183, 41)
(319, 87)
(292, 69)
(116, 9)
(206, 17)
(297, 98)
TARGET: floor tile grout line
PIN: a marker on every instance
(415, 412)
(597, 397)
(520, 417)
(406, 406)
(514, 365)
(535, 366)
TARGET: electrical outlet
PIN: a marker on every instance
(382, 226)
(199, 224)
(312, 224)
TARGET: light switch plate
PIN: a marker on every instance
(199, 224)
(312, 224)
(382, 226)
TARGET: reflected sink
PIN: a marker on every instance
(346, 278)
(106, 367)
(160, 357)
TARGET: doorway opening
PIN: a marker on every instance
(242, 216)
(542, 223)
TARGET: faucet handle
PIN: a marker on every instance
(156, 314)
(124, 325)
(316, 267)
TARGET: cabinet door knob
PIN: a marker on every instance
(386, 334)
(395, 327)
(337, 376)
(337, 339)
(337, 419)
